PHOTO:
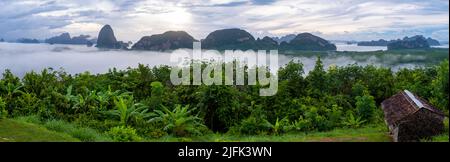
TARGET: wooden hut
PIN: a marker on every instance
(411, 118)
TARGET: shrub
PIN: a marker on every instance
(179, 121)
(358, 89)
(441, 86)
(127, 111)
(315, 118)
(317, 121)
(255, 124)
(3, 112)
(88, 135)
(281, 126)
(101, 125)
(84, 134)
(26, 104)
(365, 106)
(156, 97)
(219, 106)
(352, 121)
(123, 134)
(302, 125)
(334, 116)
(59, 126)
(150, 129)
(156, 133)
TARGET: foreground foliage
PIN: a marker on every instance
(141, 103)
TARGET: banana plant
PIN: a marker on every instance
(104, 97)
(179, 121)
(353, 122)
(80, 102)
(12, 89)
(280, 125)
(126, 110)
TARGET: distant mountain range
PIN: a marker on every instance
(27, 40)
(230, 39)
(65, 38)
(415, 42)
(227, 39)
(382, 42)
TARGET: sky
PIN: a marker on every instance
(131, 19)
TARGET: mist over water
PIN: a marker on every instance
(23, 58)
(355, 47)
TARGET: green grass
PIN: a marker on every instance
(18, 131)
(82, 133)
(366, 134)
(440, 138)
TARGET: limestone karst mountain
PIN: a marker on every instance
(170, 40)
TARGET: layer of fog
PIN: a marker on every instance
(22, 58)
(355, 47)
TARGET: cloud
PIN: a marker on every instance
(132, 19)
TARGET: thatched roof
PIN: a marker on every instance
(403, 104)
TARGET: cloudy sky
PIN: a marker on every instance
(132, 19)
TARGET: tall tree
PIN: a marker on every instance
(317, 80)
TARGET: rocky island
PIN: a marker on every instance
(65, 38)
(107, 40)
(229, 39)
(224, 39)
(27, 40)
(382, 42)
(170, 40)
(415, 42)
(237, 39)
(309, 42)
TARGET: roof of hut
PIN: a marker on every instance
(403, 104)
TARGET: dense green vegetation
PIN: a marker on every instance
(141, 104)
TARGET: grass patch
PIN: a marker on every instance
(35, 119)
(18, 131)
(84, 134)
(366, 134)
(440, 138)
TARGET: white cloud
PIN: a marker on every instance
(132, 19)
